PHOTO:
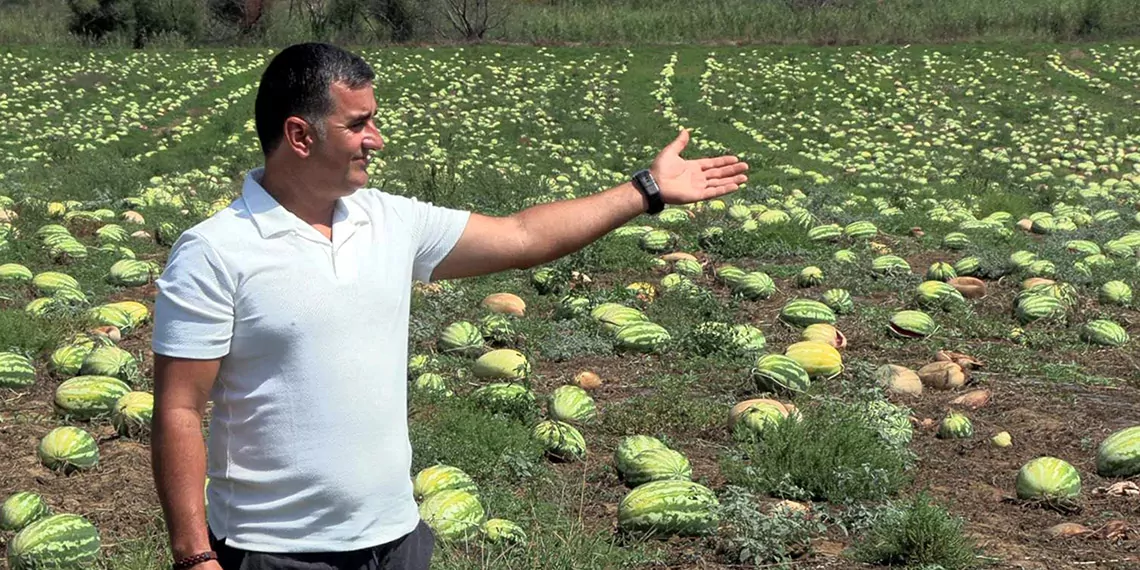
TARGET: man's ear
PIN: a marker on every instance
(299, 136)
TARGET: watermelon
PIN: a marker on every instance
(613, 317)
(453, 514)
(669, 507)
(780, 374)
(561, 440)
(642, 336)
(912, 324)
(630, 447)
(827, 232)
(817, 359)
(839, 301)
(689, 267)
(432, 383)
(503, 531)
(860, 230)
(111, 316)
(129, 273)
(503, 397)
(656, 241)
(825, 333)
(504, 303)
(657, 464)
(569, 403)
(67, 448)
(939, 294)
(461, 338)
(754, 285)
(15, 273)
(845, 256)
(955, 426)
(61, 541)
(68, 359)
(1083, 247)
(22, 509)
(496, 328)
(955, 241)
(1038, 306)
(436, 478)
(1048, 478)
(810, 276)
(110, 361)
(16, 371)
(1104, 332)
(748, 338)
(503, 363)
(86, 397)
(729, 274)
(889, 263)
(1119, 454)
(804, 312)
(1115, 293)
(755, 416)
(49, 282)
(132, 413)
(968, 266)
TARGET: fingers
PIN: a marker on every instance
(726, 171)
(717, 162)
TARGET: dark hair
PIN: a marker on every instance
(297, 82)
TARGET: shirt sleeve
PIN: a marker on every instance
(194, 305)
(437, 230)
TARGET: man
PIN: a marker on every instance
(289, 310)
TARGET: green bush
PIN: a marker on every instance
(833, 453)
(917, 533)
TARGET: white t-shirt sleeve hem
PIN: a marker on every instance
(443, 229)
(194, 305)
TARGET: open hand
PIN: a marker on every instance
(685, 181)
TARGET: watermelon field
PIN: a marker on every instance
(909, 340)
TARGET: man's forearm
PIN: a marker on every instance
(178, 459)
(559, 228)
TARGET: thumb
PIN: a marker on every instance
(679, 143)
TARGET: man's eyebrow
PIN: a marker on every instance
(362, 116)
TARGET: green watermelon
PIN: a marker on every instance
(453, 514)
(1104, 332)
(1119, 454)
(955, 426)
(1048, 478)
(462, 338)
(912, 324)
(669, 507)
(86, 397)
(781, 374)
(66, 448)
(22, 509)
(630, 447)
(561, 440)
(110, 361)
(642, 336)
(839, 301)
(129, 273)
(657, 464)
(63, 541)
(503, 397)
(132, 413)
(436, 478)
(861, 230)
(804, 312)
(1115, 293)
(569, 403)
(754, 285)
(503, 531)
(15, 273)
(889, 264)
(16, 371)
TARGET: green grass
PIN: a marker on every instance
(917, 533)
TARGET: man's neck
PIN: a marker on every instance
(293, 192)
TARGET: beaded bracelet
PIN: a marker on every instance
(196, 559)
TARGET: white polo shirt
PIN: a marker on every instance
(308, 447)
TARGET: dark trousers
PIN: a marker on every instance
(409, 552)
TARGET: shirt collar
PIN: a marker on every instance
(272, 219)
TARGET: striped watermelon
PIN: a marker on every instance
(16, 371)
(955, 241)
(1036, 306)
(110, 361)
(754, 285)
(845, 256)
(1119, 454)
(129, 273)
(569, 403)
(1104, 332)
(132, 413)
(436, 478)
(656, 241)
(827, 232)
(68, 448)
(1115, 293)
(453, 514)
(839, 301)
(689, 267)
(86, 397)
(112, 233)
(560, 439)
(754, 417)
(503, 531)
(22, 509)
(657, 464)
(804, 312)
(939, 294)
(111, 316)
(780, 374)
(613, 318)
(432, 383)
(49, 282)
(642, 337)
(63, 541)
(504, 363)
(1083, 247)
(68, 359)
(860, 230)
(955, 426)
(1048, 478)
(729, 274)
(968, 266)
(810, 276)
(15, 273)
(504, 397)
(630, 447)
(817, 359)
(748, 338)
(889, 264)
(912, 324)
(669, 507)
(461, 338)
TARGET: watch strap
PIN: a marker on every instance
(644, 182)
(194, 560)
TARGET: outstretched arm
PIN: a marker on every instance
(546, 232)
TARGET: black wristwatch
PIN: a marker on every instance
(644, 182)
